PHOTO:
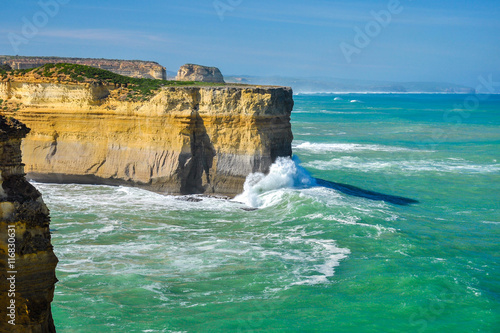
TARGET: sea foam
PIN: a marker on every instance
(347, 147)
(411, 165)
(284, 173)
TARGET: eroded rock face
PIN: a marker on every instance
(182, 140)
(132, 68)
(27, 261)
(190, 72)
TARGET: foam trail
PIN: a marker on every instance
(287, 173)
(284, 173)
(349, 147)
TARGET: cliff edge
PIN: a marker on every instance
(174, 138)
(132, 68)
(27, 262)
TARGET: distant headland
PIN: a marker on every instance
(132, 68)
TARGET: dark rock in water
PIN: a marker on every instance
(189, 199)
(248, 209)
(200, 197)
(24, 233)
(219, 197)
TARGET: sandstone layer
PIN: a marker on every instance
(181, 140)
(27, 261)
(190, 72)
(132, 68)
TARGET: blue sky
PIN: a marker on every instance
(452, 41)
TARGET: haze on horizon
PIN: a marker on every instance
(390, 40)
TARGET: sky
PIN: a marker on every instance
(452, 41)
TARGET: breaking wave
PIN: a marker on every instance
(284, 173)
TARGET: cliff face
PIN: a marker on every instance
(132, 68)
(27, 262)
(182, 140)
(190, 72)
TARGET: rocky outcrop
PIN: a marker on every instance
(182, 140)
(190, 72)
(27, 262)
(132, 68)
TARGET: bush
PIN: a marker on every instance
(138, 88)
(5, 68)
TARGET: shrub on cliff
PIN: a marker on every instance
(5, 67)
(139, 88)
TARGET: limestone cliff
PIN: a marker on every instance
(27, 262)
(132, 68)
(190, 72)
(179, 140)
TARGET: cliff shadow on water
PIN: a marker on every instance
(367, 194)
(288, 173)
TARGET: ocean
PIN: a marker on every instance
(387, 219)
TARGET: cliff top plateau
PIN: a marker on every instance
(132, 68)
(122, 87)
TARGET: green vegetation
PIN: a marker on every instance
(3, 70)
(134, 89)
(6, 106)
(139, 89)
(8, 70)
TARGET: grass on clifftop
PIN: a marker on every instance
(137, 88)
(4, 69)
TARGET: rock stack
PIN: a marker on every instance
(190, 72)
(27, 261)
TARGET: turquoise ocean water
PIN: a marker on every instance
(311, 258)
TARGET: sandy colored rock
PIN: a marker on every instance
(182, 140)
(132, 68)
(190, 72)
(22, 210)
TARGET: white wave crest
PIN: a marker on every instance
(284, 173)
(449, 166)
(346, 147)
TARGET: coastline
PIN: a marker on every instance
(390, 93)
(182, 138)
